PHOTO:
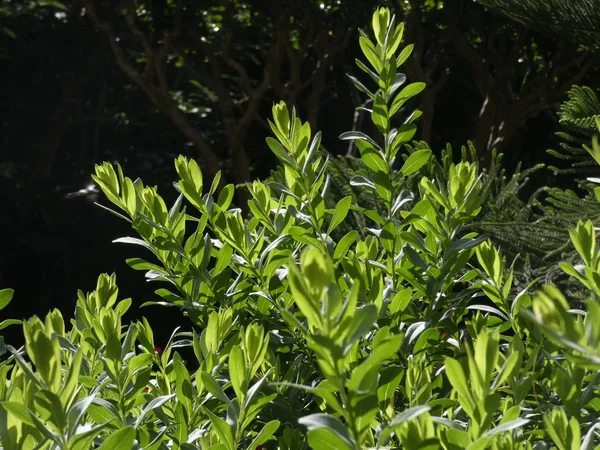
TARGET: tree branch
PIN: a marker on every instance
(156, 95)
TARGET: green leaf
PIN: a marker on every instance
(366, 70)
(6, 296)
(77, 411)
(44, 351)
(486, 355)
(335, 432)
(415, 161)
(219, 446)
(55, 3)
(191, 180)
(9, 322)
(388, 382)
(371, 157)
(84, 439)
(380, 115)
(102, 410)
(359, 180)
(215, 183)
(383, 186)
(264, 434)
(584, 240)
(182, 432)
(340, 212)
(406, 94)
(281, 115)
(458, 379)
(362, 322)
(489, 309)
(508, 426)
(399, 80)
(404, 134)
(183, 383)
(405, 416)
(129, 197)
(43, 428)
(119, 440)
(154, 403)
(394, 43)
(317, 272)
(19, 411)
(281, 154)
(381, 22)
(134, 241)
(455, 439)
(226, 196)
(364, 377)
(364, 406)
(252, 400)
(404, 55)
(325, 439)
(491, 261)
(70, 383)
(361, 87)
(556, 426)
(388, 236)
(344, 244)
(106, 178)
(141, 264)
(315, 145)
(507, 369)
(213, 387)
(25, 367)
(358, 135)
(237, 372)
(222, 428)
(368, 49)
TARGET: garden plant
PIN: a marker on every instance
(407, 334)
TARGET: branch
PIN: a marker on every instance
(130, 20)
(160, 62)
(163, 102)
(234, 64)
(256, 94)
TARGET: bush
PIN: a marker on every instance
(301, 339)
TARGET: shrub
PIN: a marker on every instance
(302, 339)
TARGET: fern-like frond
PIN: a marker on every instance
(579, 113)
(578, 117)
(576, 20)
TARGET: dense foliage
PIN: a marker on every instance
(407, 335)
(68, 104)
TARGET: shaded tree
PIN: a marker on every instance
(237, 51)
